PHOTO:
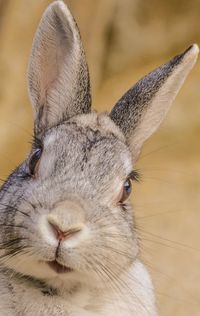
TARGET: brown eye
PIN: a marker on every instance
(126, 191)
(34, 161)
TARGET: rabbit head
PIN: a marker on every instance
(65, 212)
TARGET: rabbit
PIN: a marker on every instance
(68, 243)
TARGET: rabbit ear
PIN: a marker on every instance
(58, 76)
(141, 110)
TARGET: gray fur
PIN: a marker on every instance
(148, 101)
(135, 101)
(86, 158)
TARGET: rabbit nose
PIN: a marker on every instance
(66, 220)
(63, 235)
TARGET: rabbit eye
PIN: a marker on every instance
(126, 191)
(34, 161)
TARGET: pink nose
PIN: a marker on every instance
(60, 235)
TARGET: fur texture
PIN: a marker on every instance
(68, 244)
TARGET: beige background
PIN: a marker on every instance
(124, 40)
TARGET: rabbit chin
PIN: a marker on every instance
(42, 270)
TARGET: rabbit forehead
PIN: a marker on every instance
(90, 144)
(99, 121)
(94, 121)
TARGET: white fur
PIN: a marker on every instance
(87, 301)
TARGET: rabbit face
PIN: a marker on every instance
(64, 212)
(82, 170)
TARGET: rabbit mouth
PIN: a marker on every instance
(59, 268)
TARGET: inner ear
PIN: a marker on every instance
(58, 78)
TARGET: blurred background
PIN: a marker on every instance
(124, 40)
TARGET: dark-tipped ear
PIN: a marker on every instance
(58, 76)
(141, 110)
